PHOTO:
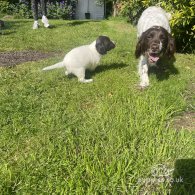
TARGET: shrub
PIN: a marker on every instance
(58, 10)
(11, 1)
(132, 9)
(20, 10)
(182, 22)
(55, 9)
(4, 6)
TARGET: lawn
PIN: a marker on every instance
(59, 136)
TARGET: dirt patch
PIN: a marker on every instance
(18, 57)
(190, 96)
(185, 121)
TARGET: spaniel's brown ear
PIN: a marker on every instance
(140, 47)
(170, 46)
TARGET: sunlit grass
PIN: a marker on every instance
(61, 136)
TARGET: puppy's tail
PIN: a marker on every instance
(58, 65)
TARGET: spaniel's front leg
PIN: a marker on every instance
(143, 72)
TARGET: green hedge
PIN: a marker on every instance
(55, 10)
(4, 6)
(11, 1)
(182, 22)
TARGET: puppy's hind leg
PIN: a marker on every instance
(80, 73)
(66, 72)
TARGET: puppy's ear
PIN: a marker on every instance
(100, 47)
(140, 46)
(170, 46)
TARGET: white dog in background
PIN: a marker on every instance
(155, 40)
(84, 57)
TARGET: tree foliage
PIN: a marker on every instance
(182, 21)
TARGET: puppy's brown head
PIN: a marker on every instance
(154, 43)
(104, 44)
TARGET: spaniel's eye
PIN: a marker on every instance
(149, 36)
(162, 37)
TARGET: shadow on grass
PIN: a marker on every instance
(80, 22)
(8, 28)
(16, 23)
(11, 26)
(184, 177)
(51, 26)
(164, 69)
(4, 32)
(103, 68)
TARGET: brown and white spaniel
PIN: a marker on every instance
(154, 41)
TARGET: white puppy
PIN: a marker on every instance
(84, 57)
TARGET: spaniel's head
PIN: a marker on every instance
(155, 43)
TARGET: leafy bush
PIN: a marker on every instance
(55, 9)
(11, 1)
(182, 22)
(58, 10)
(4, 6)
(132, 9)
(20, 10)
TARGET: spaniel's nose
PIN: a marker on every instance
(155, 47)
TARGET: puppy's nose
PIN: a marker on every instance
(113, 44)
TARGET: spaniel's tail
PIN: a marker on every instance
(58, 65)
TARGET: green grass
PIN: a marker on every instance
(59, 136)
